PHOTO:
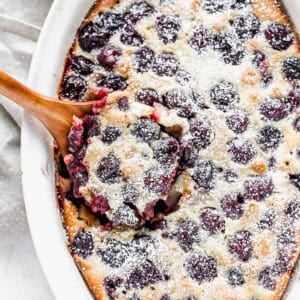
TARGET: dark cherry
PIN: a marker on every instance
(82, 244)
(146, 129)
(291, 68)
(131, 37)
(111, 284)
(157, 180)
(286, 238)
(143, 59)
(130, 193)
(200, 39)
(144, 274)
(91, 126)
(246, 26)
(274, 109)
(224, 95)
(238, 122)
(79, 175)
(167, 28)
(282, 263)
(76, 167)
(99, 204)
(202, 133)
(266, 279)
(183, 77)
(110, 134)
(231, 49)
(148, 96)
(126, 216)
(179, 99)
(202, 268)
(268, 138)
(110, 22)
(233, 205)
(165, 65)
(204, 175)
(212, 221)
(188, 156)
(73, 88)
(123, 104)
(113, 82)
(267, 220)
(80, 153)
(230, 176)
(296, 124)
(235, 276)
(239, 4)
(240, 244)
(91, 36)
(138, 10)
(108, 169)
(260, 61)
(214, 6)
(108, 57)
(167, 150)
(242, 152)
(295, 180)
(114, 254)
(188, 109)
(279, 36)
(292, 210)
(258, 188)
(82, 65)
(293, 99)
(75, 137)
(186, 234)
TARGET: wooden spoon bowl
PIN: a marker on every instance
(56, 115)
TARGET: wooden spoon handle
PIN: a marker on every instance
(55, 114)
(39, 105)
(20, 94)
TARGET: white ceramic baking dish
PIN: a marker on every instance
(37, 153)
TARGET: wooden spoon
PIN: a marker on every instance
(56, 115)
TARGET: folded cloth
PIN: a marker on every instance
(17, 42)
(20, 274)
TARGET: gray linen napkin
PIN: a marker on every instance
(20, 274)
(17, 43)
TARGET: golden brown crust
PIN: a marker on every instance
(86, 267)
(92, 278)
(270, 10)
(100, 6)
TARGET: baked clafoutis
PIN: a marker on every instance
(183, 183)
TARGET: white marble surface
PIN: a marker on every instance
(21, 276)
